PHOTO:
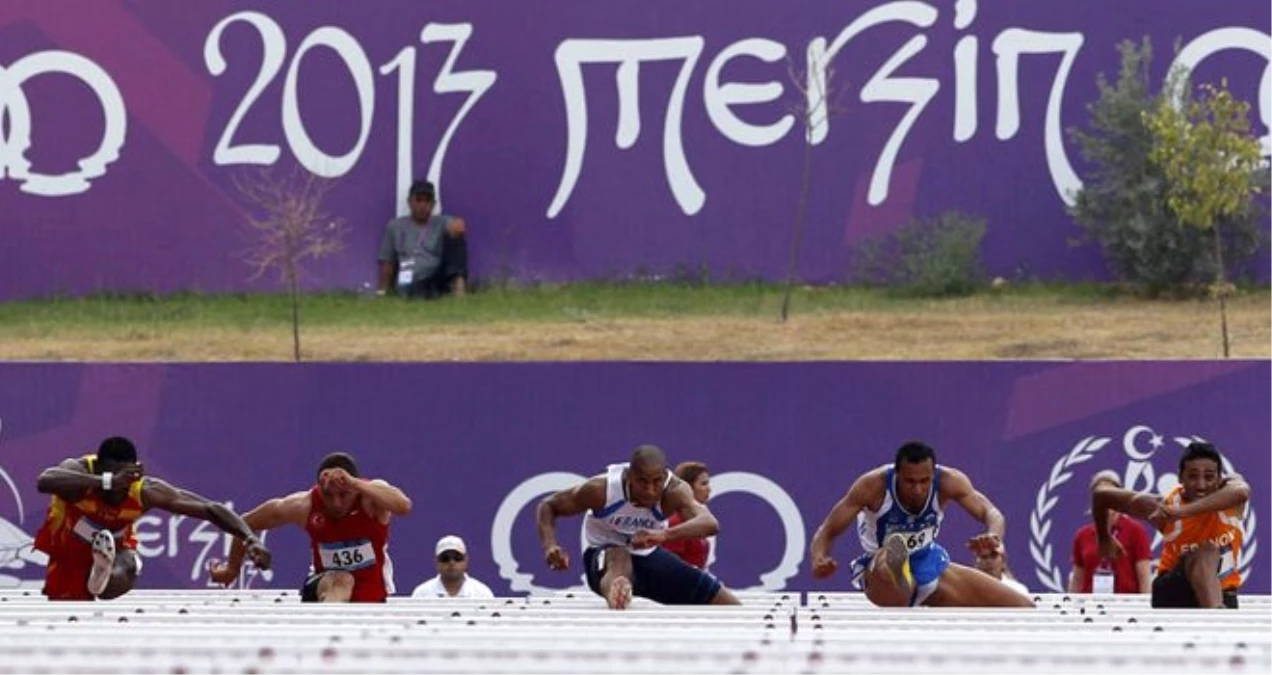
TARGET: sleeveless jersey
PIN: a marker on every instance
(920, 529)
(1222, 528)
(357, 544)
(615, 524)
(68, 529)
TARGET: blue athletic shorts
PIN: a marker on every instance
(926, 564)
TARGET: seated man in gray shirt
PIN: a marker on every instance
(423, 255)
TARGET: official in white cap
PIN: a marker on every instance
(452, 580)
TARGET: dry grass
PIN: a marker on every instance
(975, 328)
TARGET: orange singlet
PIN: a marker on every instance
(1222, 528)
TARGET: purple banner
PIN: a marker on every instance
(475, 447)
(578, 140)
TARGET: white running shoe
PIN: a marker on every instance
(103, 562)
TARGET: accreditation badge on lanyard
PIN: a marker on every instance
(406, 272)
(1102, 580)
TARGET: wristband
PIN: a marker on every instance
(107, 479)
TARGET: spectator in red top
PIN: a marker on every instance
(693, 551)
(1130, 573)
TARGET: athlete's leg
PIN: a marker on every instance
(335, 587)
(123, 574)
(67, 579)
(725, 597)
(967, 587)
(888, 581)
(1202, 569)
(616, 580)
(666, 579)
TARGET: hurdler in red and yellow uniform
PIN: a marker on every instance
(88, 531)
(67, 535)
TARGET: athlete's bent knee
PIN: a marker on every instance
(335, 587)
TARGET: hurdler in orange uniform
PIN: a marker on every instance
(1200, 520)
(88, 532)
(1210, 535)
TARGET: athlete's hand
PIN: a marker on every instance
(129, 475)
(123, 479)
(336, 479)
(647, 538)
(824, 566)
(557, 558)
(985, 543)
(223, 573)
(1164, 515)
(259, 555)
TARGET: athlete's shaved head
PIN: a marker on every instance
(118, 451)
(648, 457)
(647, 476)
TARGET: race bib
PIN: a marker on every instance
(347, 556)
(1227, 561)
(85, 529)
(917, 539)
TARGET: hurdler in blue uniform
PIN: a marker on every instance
(898, 509)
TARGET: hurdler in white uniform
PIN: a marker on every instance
(615, 524)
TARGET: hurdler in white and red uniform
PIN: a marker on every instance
(347, 520)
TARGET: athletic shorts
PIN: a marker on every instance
(67, 575)
(67, 580)
(1172, 590)
(659, 576)
(926, 564)
(309, 590)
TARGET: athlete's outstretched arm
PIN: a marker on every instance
(1234, 491)
(384, 496)
(1105, 497)
(866, 490)
(380, 497)
(159, 494)
(1142, 505)
(589, 494)
(957, 486)
(71, 480)
(292, 509)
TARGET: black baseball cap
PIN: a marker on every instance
(422, 188)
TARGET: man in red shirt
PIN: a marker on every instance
(1130, 573)
(347, 520)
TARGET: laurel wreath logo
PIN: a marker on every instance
(1046, 568)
